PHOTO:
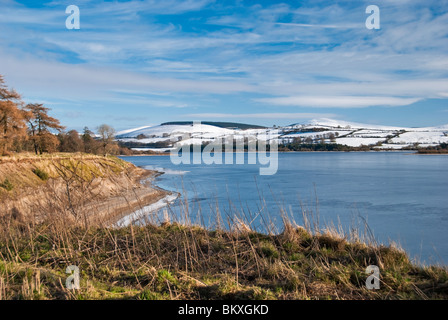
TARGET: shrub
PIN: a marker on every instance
(164, 275)
(149, 295)
(41, 174)
(7, 185)
(268, 250)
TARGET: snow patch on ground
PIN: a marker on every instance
(347, 133)
(357, 142)
(420, 137)
(147, 211)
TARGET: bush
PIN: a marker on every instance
(41, 174)
(268, 250)
(6, 185)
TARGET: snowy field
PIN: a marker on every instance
(346, 133)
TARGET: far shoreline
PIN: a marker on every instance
(292, 151)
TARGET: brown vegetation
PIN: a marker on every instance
(168, 260)
(82, 188)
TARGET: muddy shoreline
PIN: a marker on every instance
(148, 196)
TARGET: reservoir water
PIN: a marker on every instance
(402, 196)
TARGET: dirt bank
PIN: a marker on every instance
(78, 188)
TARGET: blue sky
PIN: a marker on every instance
(136, 63)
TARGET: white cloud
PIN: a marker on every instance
(339, 101)
(87, 81)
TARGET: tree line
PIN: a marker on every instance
(29, 127)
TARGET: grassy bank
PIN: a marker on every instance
(171, 261)
(73, 186)
(25, 171)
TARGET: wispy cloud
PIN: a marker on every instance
(94, 82)
(325, 26)
(340, 101)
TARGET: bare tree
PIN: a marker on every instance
(107, 135)
(71, 142)
(297, 140)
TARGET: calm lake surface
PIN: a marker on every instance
(403, 196)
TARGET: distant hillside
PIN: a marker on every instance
(227, 125)
(319, 131)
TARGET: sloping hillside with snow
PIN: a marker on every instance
(164, 136)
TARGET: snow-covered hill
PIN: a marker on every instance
(162, 137)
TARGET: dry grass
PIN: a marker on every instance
(174, 261)
(20, 169)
